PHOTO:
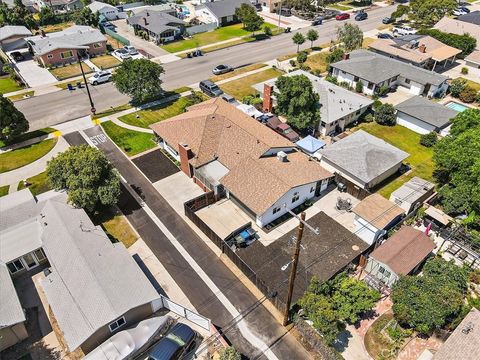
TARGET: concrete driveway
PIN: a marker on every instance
(32, 73)
(148, 46)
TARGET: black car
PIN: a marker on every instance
(361, 16)
(17, 56)
(387, 20)
(385, 36)
(180, 340)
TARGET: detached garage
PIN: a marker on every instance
(423, 116)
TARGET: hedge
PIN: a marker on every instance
(465, 42)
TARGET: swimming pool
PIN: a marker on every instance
(456, 106)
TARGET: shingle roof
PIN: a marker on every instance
(335, 101)
(427, 111)
(19, 240)
(157, 21)
(10, 30)
(97, 6)
(74, 37)
(474, 57)
(216, 130)
(404, 250)
(377, 68)
(11, 311)
(458, 27)
(93, 281)
(413, 189)
(224, 8)
(377, 210)
(363, 155)
(464, 342)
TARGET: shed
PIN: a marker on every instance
(412, 193)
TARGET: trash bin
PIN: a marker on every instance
(70, 87)
(79, 84)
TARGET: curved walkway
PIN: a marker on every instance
(13, 177)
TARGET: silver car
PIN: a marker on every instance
(222, 69)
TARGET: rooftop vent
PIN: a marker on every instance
(282, 156)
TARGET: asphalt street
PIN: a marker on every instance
(259, 320)
(54, 108)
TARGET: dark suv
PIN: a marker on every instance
(179, 341)
(210, 88)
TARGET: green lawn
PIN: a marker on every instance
(116, 226)
(131, 142)
(21, 96)
(8, 85)
(111, 111)
(318, 61)
(4, 190)
(38, 184)
(68, 71)
(210, 37)
(242, 87)
(420, 158)
(157, 113)
(14, 159)
(105, 61)
(28, 136)
(238, 71)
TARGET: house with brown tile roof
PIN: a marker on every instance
(401, 254)
(226, 151)
(374, 215)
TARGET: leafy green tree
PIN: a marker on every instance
(385, 115)
(140, 79)
(468, 95)
(457, 167)
(253, 22)
(428, 139)
(12, 121)
(335, 55)
(47, 16)
(247, 14)
(350, 36)
(400, 11)
(428, 12)
(230, 353)
(87, 175)
(457, 86)
(464, 121)
(87, 17)
(427, 302)
(465, 42)
(298, 39)
(297, 101)
(312, 35)
(18, 15)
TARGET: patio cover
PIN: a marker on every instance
(438, 215)
(310, 144)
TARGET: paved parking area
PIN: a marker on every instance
(155, 165)
(398, 96)
(33, 74)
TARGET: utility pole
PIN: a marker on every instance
(293, 272)
(279, 13)
(92, 107)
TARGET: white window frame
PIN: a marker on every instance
(114, 326)
(16, 267)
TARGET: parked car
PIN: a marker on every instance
(283, 129)
(17, 56)
(179, 341)
(131, 49)
(109, 25)
(387, 20)
(460, 11)
(317, 21)
(258, 7)
(403, 30)
(384, 36)
(286, 12)
(210, 88)
(123, 54)
(342, 16)
(222, 69)
(464, 8)
(228, 98)
(361, 16)
(100, 77)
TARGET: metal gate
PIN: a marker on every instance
(164, 302)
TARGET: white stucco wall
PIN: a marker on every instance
(414, 124)
(109, 13)
(364, 230)
(170, 150)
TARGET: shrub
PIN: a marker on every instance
(464, 70)
(359, 87)
(267, 31)
(230, 353)
(384, 90)
(376, 103)
(468, 95)
(457, 86)
(302, 57)
(428, 140)
(368, 118)
(385, 115)
(331, 79)
(293, 62)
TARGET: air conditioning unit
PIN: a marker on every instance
(282, 156)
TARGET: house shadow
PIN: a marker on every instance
(149, 275)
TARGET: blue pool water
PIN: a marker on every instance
(456, 106)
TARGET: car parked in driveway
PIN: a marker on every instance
(210, 88)
(178, 342)
(384, 36)
(361, 16)
(17, 56)
(403, 30)
(122, 54)
(222, 69)
(282, 128)
(460, 11)
(100, 77)
(131, 49)
(342, 16)
(387, 20)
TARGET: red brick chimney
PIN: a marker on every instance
(422, 48)
(267, 98)
(185, 154)
(346, 56)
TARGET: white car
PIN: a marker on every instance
(131, 49)
(122, 54)
(403, 30)
(100, 77)
(459, 11)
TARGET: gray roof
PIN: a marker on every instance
(10, 30)
(413, 190)
(11, 311)
(224, 8)
(363, 155)
(74, 37)
(93, 281)
(336, 102)
(427, 111)
(472, 17)
(20, 240)
(464, 342)
(377, 68)
(157, 21)
(97, 6)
